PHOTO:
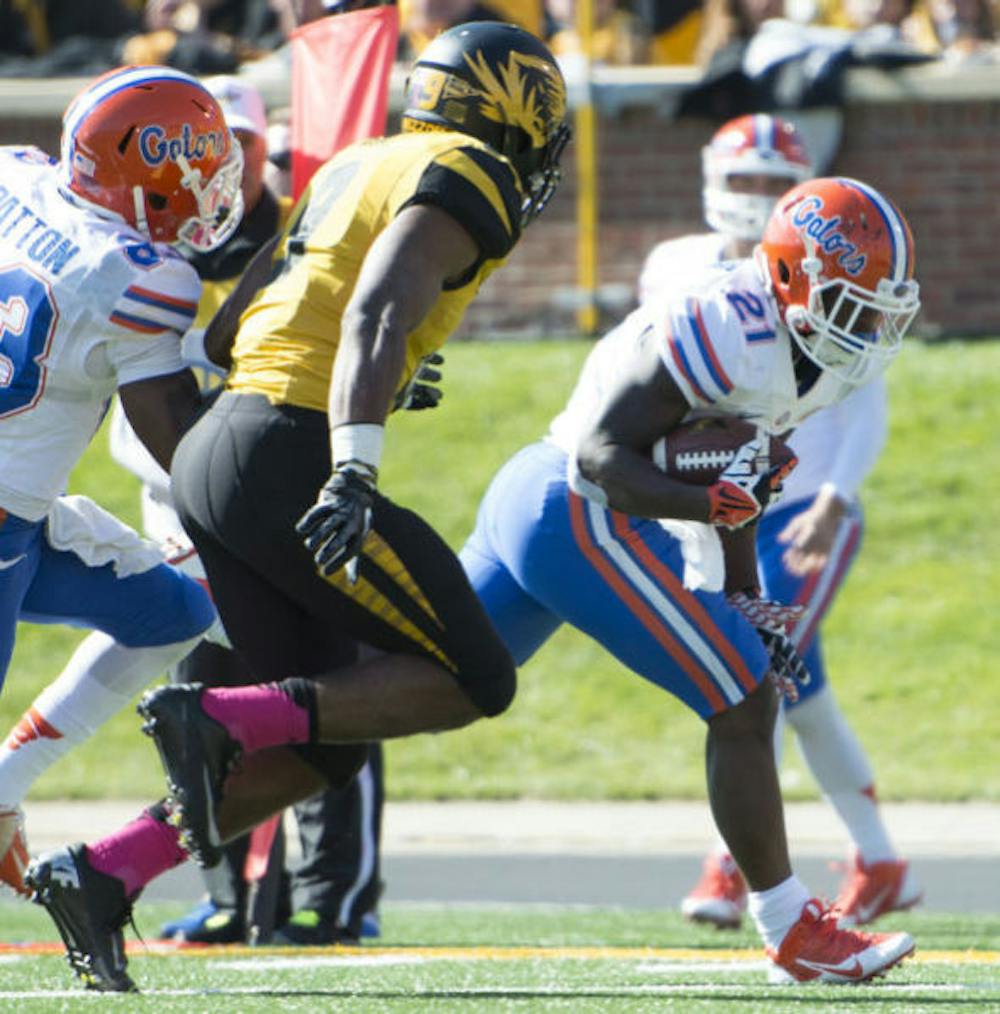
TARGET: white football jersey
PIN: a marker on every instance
(86, 305)
(836, 446)
(678, 262)
(839, 445)
(723, 345)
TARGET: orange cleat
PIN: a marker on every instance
(13, 850)
(817, 949)
(871, 891)
(720, 897)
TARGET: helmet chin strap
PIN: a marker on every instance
(797, 316)
(811, 264)
(139, 203)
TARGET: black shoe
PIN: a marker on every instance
(307, 928)
(196, 752)
(89, 909)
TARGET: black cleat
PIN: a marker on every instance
(89, 909)
(197, 753)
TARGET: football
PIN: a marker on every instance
(698, 451)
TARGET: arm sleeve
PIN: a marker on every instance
(479, 191)
(140, 360)
(153, 310)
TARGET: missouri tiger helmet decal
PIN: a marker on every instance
(500, 84)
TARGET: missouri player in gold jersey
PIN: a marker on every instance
(381, 256)
(277, 482)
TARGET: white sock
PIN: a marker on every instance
(100, 678)
(840, 766)
(777, 910)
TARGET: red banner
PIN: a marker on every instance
(340, 84)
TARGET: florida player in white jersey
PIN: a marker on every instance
(807, 543)
(93, 300)
(571, 529)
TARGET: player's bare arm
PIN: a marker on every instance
(160, 410)
(739, 551)
(221, 330)
(639, 408)
(402, 276)
(810, 535)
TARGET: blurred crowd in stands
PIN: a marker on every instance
(47, 38)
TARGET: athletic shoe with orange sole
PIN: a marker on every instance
(871, 891)
(817, 949)
(13, 850)
(720, 897)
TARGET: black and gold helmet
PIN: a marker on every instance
(500, 84)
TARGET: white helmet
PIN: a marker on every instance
(758, 144)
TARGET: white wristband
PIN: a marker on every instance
(194, 356)
(357, 442)
(193, 347)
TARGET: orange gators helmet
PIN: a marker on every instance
(755, 145)
(839, 259)
(151, 146)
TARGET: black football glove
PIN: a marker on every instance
(421, 392)
(334, 528)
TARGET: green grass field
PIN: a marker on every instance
(507, 959)
(911, 643)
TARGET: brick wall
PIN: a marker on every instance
(938, 159)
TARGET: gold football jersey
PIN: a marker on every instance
(289, 335)
(215, 290)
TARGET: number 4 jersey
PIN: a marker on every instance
(86, 305)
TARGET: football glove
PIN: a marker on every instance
(763, 613)
(788, 671)
(773, 621)
(421, 392)
(741, 493)
(334, 528)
